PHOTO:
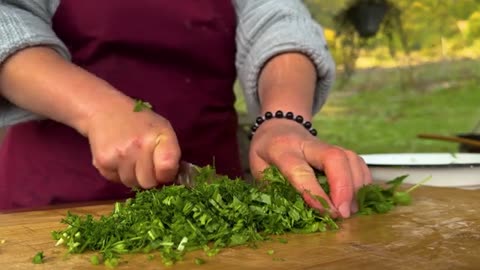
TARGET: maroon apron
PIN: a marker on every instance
(177, 55)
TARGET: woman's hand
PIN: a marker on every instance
(135, 148)
(290, 147)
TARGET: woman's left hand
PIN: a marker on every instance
(290, 147)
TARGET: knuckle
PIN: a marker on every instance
(345, 188)
(109, 175)
(168, 157)
(336, 154)
(167, 124)
(102, 160)
(351, 154)
(163, 125)
(166, 164)
(283, 158)
(139, 142)
(302, 170)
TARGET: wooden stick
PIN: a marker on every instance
(475, 143)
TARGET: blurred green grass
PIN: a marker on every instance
(383, 110)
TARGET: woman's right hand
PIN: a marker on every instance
(135, 148)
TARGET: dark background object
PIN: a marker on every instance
(367, 16)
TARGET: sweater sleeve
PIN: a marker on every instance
(270, 27)
(25, 23)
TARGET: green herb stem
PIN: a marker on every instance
(419, 184)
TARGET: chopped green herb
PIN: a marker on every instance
(213, 252)
(111, 262)
(283, 240)
(322, 179)
(199, 261)
(150, 257)
(278, 259)
(217, 212)
(375, 199)
(38, 258)
(95, 260)
(270, 252)
(141, 105)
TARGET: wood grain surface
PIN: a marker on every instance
(441, 230)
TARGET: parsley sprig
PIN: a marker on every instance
(375, 199)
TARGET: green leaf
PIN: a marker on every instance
(395, 183)
(322, 180)
(199, 261)
(95, 260)
(402, 198)
(111, 262)
(38, 258)
(141, 105)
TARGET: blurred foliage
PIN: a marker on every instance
(434, 30)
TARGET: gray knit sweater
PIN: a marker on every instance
(265, 28)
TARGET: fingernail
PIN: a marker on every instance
(344, 209)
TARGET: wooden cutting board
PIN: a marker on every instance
(441, 230)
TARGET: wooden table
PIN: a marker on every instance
(441, 230)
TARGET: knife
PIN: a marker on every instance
(187, 172)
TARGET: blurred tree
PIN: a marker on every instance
(429, 25)
(473, 31)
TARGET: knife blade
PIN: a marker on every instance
(186, 175)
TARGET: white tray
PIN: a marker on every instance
(461, 170)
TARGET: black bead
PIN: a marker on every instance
(254, 128)
(299, 119)
(279, 114)
(313, 132)
(259, 120)
(268, 115)
(289, 115)
(307, 125)
(250, 136)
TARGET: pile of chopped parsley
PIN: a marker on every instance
(218, 212)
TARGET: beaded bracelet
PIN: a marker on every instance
(279, 114)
